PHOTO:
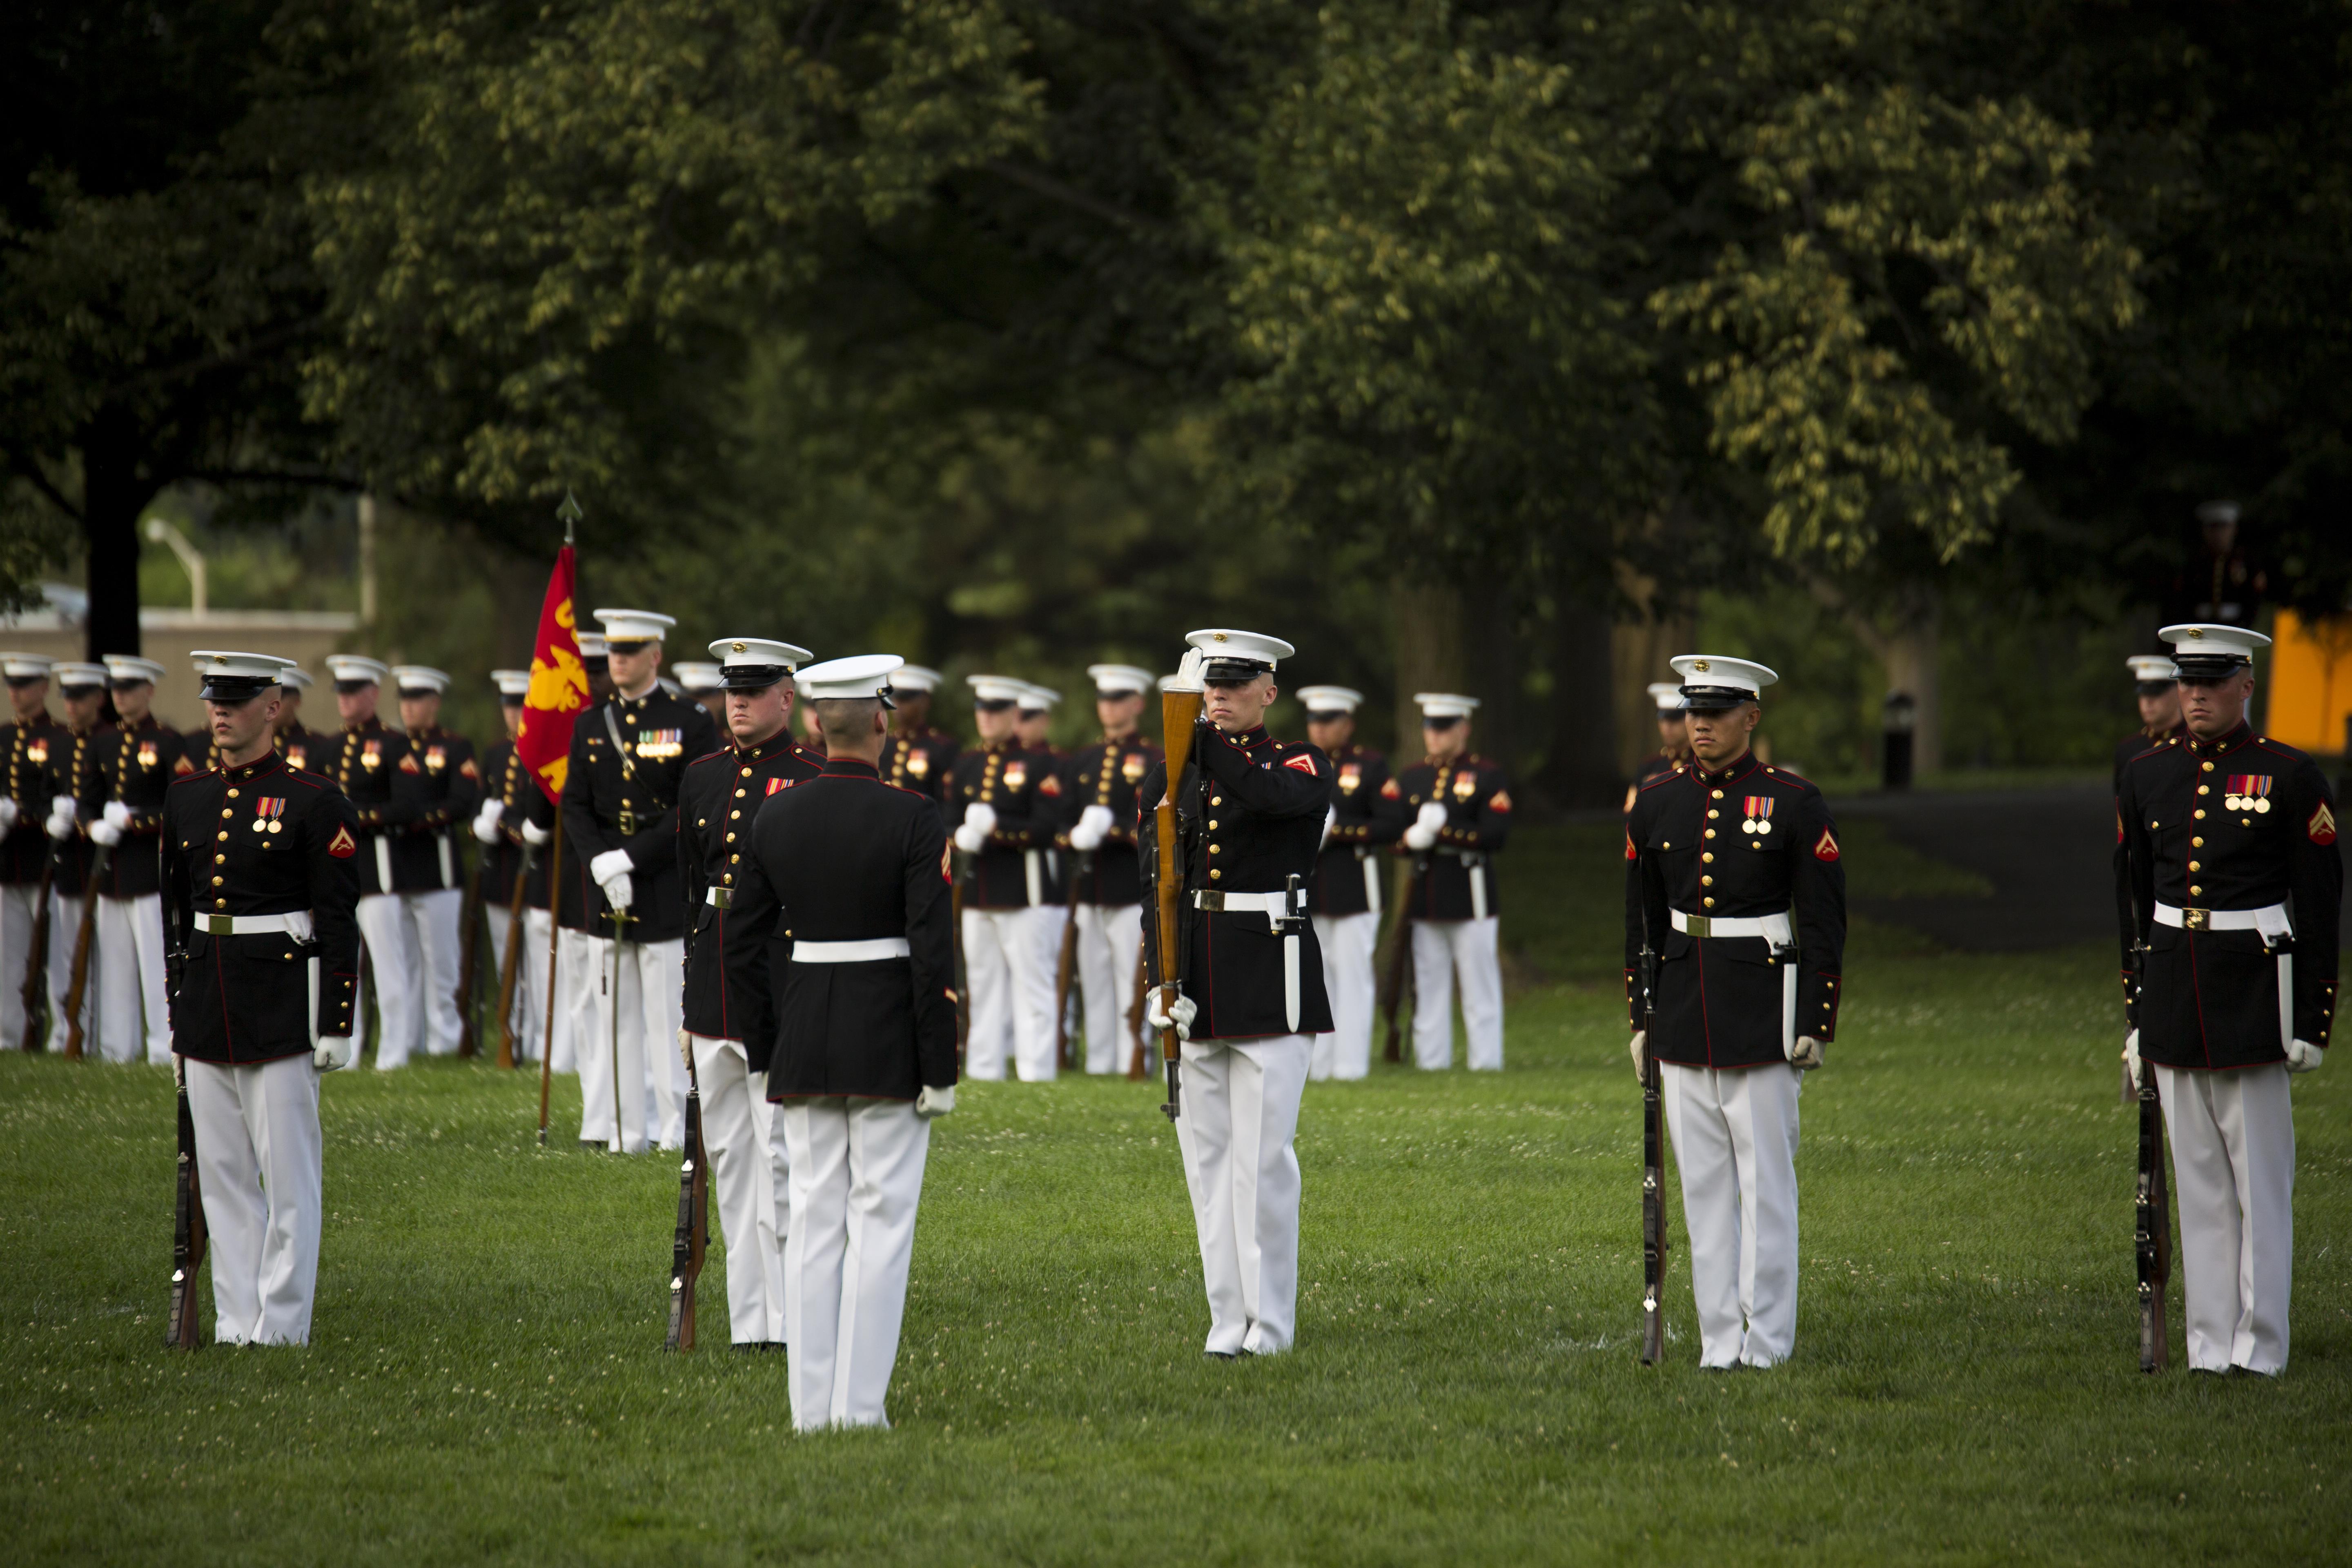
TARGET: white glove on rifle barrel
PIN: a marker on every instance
(934, 1101)
(1177, 1014)
(486, 826)
(2302, 1055)
(1806, 1054)
(1424, 831)
(60, 825)
(979, 822)
(105, 832)
(118, 816)
(1093, 827)
(7, 814)
(533, 834)
(334, 1051)
(1640, 1049)
(1190, 672)
(2131, 1059)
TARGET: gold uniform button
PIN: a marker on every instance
(2208, 767)
(1708, 857)
(2195, 843)
(1707, 881)
(730, 838)
(738, 795)
(746, 773)
(1215, 874)
(231, 795)
(225, 811)
(1708, 902)
(2194, 866)
(1710, 833)
(2200, 815)
(1718, 795)
(733, 815)
(216, 881)
(732, 858)
(1217, 800)
(222, 836)
(1212, 824)
(1215, 849)
(2205, 789)
(1712, 814)
(2194, 891)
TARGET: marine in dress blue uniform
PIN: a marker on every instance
(81, 691)
(729, 1013)
(427, 866)
(1004, 811)
(1344, 897)
(921, 756)
(1100, 807)
(132, 763)
(1251, 811)
(2231, 882)
(1733, 877)
(259, 873)
(1457, 807)
(844, 899)
(30, 739)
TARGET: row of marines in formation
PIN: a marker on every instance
(818, 985)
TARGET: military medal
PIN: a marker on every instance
(266, 813)
(2248, 792)
(1758, 808)
(1017, 774)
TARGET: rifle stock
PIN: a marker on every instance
(1178, 712)
(693, 1235)
(511, 966)
(180, 1330)
(1066, 969)
(78, 981)
(36, 999)
(1136, 1065)
(1653, 1177)
(1399, 967)
(469, 941)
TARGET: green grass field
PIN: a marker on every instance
(485, 1381)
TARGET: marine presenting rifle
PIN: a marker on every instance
(1240, 992)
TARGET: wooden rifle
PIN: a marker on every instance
(1399, 978)
(1178, 712)
(78, 981)
(188, 1229)
(1066, 968)
(512, 965)
(36, 996)
(1137, 1068)
(1653, 1171)
(693, 1236)
(469, 941)
(2151, 1204)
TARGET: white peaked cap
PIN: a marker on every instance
(237, 676)
(356, 667)
(295, 677)
(1712, 669)
(2152, 667)
(23, 666)
(513, 682)
(995, 687)
(129, 667)
(1037, 698)
(1223, 644)
(1668, 695)
(591, 645)
(2208, 648)
(695, 678)
(78, 675)
(860, 675)
(635, 625)
(1118, 679)
(758, 653)
(1445, 704)
(1329, 698)
(419, 678)
(915, 677)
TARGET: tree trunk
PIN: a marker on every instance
(114, 496)
(1914, 667)
(1429, 655)
(1580, 758)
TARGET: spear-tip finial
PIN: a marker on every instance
(570, 513)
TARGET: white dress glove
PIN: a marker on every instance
(620, 892)
(486, 826)
(1178, 1015)
(1093, 827)
(1424, 831)
(61, 825)
(64, 805)
(334, 1051)
(1806, 1054)
(2302, 1055)
(118, 816)
(7, 814)
(533, 834)
(935, 1102)
(1190, 671)
(610, 866)
(2131, 1059)
(979, 822)
(1641, 1050)
(104, 831)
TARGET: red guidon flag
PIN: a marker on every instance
(559, 685)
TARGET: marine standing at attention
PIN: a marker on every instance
(1457, 810)
(1100, 805)
(1346, 896)
(1732, 878)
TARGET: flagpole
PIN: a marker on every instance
(570, 513)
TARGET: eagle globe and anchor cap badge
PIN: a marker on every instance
(1712, 683)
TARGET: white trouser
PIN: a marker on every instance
(398, 969)
(2234, 1174)
(856, 1180)
(1240, 1112)
(1109, 936)
(651, 1002)
(19, 902)
(431, 919)
(1441, 950)
(132, 1006)
(1348, 943)
(64, 927)
(1009, 969)
(746, 1182)
(531, 978)
(575, 995)
(257, 1156)
(1735, 1137)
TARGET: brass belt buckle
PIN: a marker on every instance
(219, 925)
(722, 898)
(627, 825)
(1213, 902)
(1697, 924)
(2196, 919)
